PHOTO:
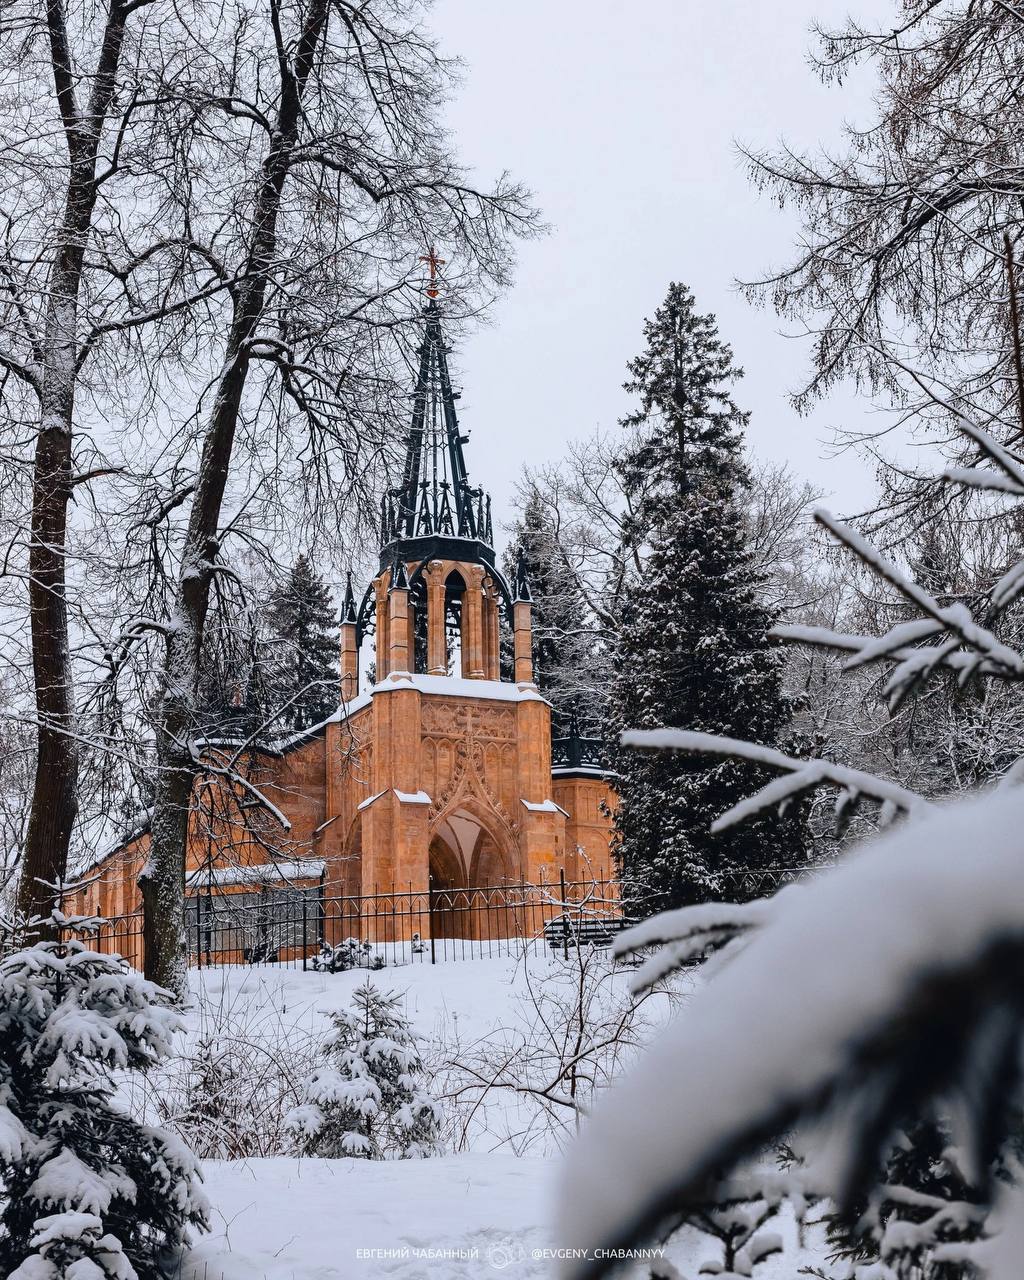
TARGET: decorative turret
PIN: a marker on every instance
(522, 624)
(349, 645)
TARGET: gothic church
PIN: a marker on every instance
(442, 774)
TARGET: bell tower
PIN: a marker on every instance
(452, 784)
(439, 596)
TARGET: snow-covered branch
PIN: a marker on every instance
(235, 779)
(799, 776)
(690, 933)
(886, 984)
(953, 620)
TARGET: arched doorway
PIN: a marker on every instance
(448, 903)
(468, 866)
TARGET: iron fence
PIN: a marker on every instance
(305, 927)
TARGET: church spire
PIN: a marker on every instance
(435, 498)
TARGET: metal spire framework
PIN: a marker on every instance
(435, 499)
(434, 513)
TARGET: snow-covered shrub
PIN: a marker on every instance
(350, 954)
(739, 1216)
(236, 1076)
(371, 1098)
(86, 1192)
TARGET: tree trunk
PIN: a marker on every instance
(162, 881)
(54, 796)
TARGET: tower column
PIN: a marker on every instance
(349, 648)
(472, 624)
(399, 657)
(411, 631)
(349, 662)
(522, 612)
(437, 655)
(383, 636)
(492, 642)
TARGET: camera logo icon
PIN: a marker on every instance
(504, 1253)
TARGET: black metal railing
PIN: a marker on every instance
(576, 752)
(310, 929)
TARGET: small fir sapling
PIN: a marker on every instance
(370, 1099)
(86, 1191)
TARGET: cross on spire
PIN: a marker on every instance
(433, 262)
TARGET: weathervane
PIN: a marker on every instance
(433, 262)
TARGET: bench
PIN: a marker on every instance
(577, 930)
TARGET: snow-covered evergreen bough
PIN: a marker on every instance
(884, 993)
(86, 1192)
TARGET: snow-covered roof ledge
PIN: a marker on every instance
(545, 806)
(365, 804)
(448, 686)
(581, 770)
(344, 712)
(457, 687)
(260, 873)
(413, 797)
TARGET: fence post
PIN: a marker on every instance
(305, 922)
(565, 914)
(199, 930)
(430, 917)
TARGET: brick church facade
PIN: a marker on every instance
(443, 774)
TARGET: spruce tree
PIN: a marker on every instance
(370, 1100)
(305, 671)
(693, 651)
(562, 641)
(87, 1192)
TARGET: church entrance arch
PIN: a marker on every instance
(466, 858)
(448, 899)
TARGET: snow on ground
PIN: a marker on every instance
(451, 1218)
(306, 1219)
(478, 994)
(310, 1219)
(446, 1218)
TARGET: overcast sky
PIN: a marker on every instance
(624, 120)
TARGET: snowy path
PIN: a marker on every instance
(306, 1219)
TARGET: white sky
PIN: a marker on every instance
(623, 119)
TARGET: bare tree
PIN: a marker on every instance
(211, 227)
(901, 259)
(529, 1083)
(339, 171)
(73, 95)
